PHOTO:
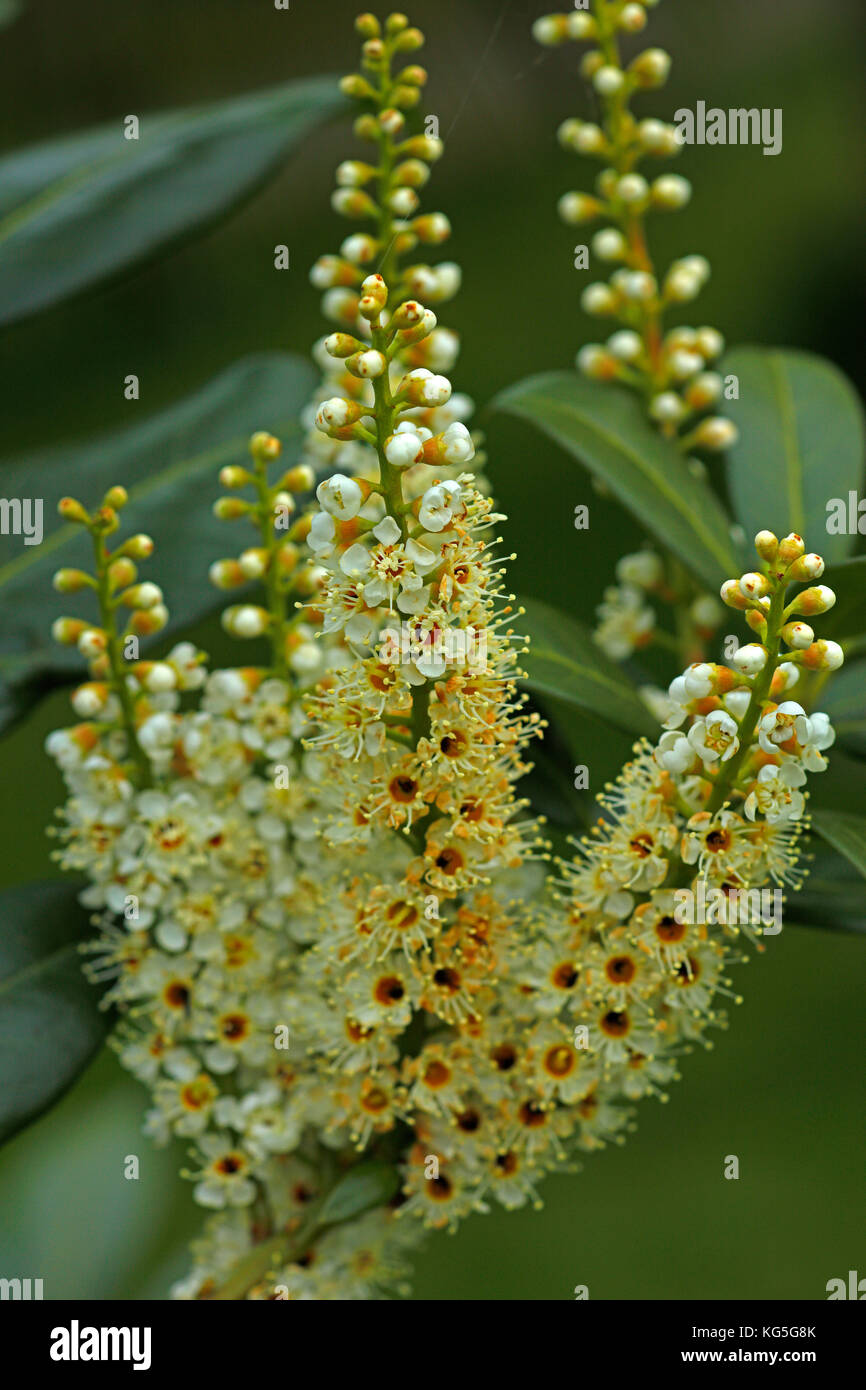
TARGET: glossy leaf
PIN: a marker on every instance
(79, 209)
(801, 443)
(169, 462)
(847, 618)
(563, 661)
(50, 1022)
(844, 699)
(365, 1186)
(607, 431)
(847, 835)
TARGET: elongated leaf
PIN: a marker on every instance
(845, 701)
(801, 443)
(833, 897)
(365, 1186)
(847, 835)
(169, 461)
(847, 618)
(564, 661)
(50, 1023)
(77, 210)
(606, 430)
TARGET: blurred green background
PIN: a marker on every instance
(783, 1089)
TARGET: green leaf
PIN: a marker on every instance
(832, 898)
(563, 661)
(844, 699)
(801, 443)
(365, 1186)
(847, 617)
(846, 834)
(77, 210)
(50, 1022)
(607, 431)
(169, 461)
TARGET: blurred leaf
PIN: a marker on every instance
(847, 617)
(846, 834)
(76, 210)
(844, 699)
(365, 1186)
(169, 461)
(801, 443)
(832, 897)
(9, 10)
(606, 430)
(50, 1022)
(564, 661)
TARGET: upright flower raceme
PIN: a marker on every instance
(671, 369)
(384, 192)
(699, 838)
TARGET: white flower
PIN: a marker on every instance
(643, 570)
(321, 535)
(821, 735)
(775, 794)
(456, 445)
(340, 497)
(355, 562)
(674, 752)
(778, 726)
(715, 737)
(403, 447)
(437, 506)
(387, 531)
(697, 681)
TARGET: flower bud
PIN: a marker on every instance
(226, 574)
(750, 659)
(632, 18)
(670, 192)
(798, 635)
(89, 699)
(67, 631)
(230, 508)
(299, 479)
(733, 595)
(651, 68)
(71, 581)
(433, 229)
(116, 497)
(245, 621)
(823, 656)
(142, 596)
(715, 433)
(608, 80)
(367, 364)
(551, 29)
(233, 476)
(791, 548)
(147, 621)
(139, 547)
(767, 545)
(264, 447)
(92, 642)
(812, 601)
(367, 25)
(70, 510)
(805, 568)
(575, 208)
(598, 299)
(753, 586)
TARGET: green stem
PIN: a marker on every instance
(116, 659)
(730, 771)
